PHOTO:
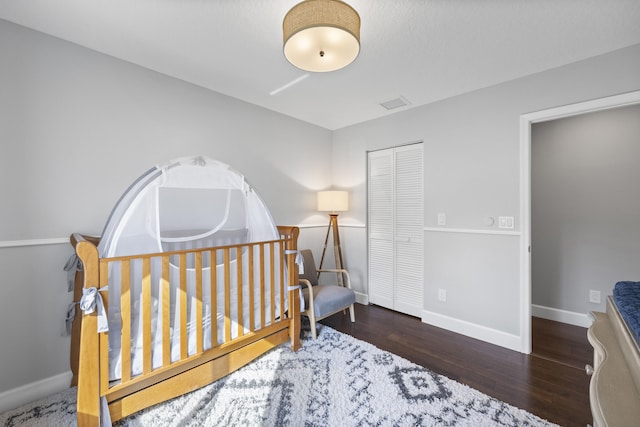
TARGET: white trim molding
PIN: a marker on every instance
(303, 226)
(526, 120)
(33, 391)
(472, 231)
(33, 242)
(65, 240)
(564, 316)
(473, 330)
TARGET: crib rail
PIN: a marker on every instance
(240, 290)
(270, 306)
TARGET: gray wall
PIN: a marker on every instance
(472, 171)
(76, 128)
(585, 198)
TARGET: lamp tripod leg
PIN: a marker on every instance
(337, 250)
(326, 242)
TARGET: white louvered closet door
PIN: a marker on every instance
(395, 228)
(380, 198)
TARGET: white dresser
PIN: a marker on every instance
(614, 390)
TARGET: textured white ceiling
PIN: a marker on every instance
(423, 50)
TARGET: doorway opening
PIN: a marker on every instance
(526, 122)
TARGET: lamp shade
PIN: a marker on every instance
(321, 35)
(333, 201)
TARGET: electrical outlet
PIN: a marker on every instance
(594, 296)
(442, 295)
(442, 219)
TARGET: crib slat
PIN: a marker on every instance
(272, 284)
(262, 298)
(240, 316)
(227, 296)
(198, 303)
(125, 309)
(281, 256)
(252, 320)
(183, 306)
(146, 315)
(166, 312)
(214, 297)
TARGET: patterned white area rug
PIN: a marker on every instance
(335, 380)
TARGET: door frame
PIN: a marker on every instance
(526, 120)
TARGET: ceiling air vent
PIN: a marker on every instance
(395, 103)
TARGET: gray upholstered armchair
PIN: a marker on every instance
(320, 300)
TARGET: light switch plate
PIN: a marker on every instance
(505, 222)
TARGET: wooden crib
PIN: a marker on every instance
(131, 393)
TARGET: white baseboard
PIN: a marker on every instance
(36, 390)
(362, 298)
(483, 333)
(564, 316)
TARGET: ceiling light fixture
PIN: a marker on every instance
(321, 35)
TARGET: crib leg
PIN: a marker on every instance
(294, 321)
(88, 406)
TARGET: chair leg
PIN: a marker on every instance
(312, 321)
(352, 313)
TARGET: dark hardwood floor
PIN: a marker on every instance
(551, 382)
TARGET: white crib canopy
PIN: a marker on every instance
(183, 204)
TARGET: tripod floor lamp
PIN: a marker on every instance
(333, 202)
